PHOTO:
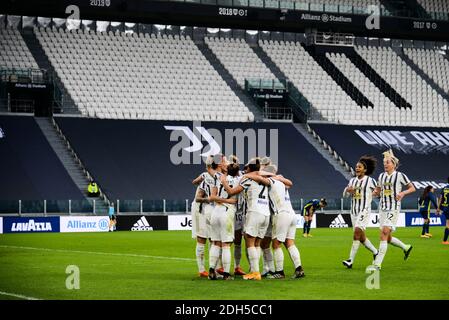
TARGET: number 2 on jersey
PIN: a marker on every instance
(261, 195)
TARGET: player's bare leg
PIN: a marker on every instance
(359, 238)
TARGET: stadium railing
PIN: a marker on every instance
(163, 206)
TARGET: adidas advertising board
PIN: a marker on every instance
(141, 223)
(180, 222)
(414, 219)
(300, 222)
(38, 224)
(84, 224)
(1, 225)
(333, 221)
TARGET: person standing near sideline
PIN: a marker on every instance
(308, 211)
(427, 198)
(112, 217)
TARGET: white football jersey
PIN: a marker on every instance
(241, 196)
(363, 194)
(390, 186)
(256, 196)
(232, 182)
(279, 197)
(208, 183)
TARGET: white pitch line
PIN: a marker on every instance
(18, 296)
(101, 253)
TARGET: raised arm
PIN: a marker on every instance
(287, 182)
(257, 178)
(229, 190)
(198, 180)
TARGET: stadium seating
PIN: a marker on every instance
(14, 52)
(313, 82)
(247, 66)
(123, 76)
(30, 169)
(383, 106)
(433, 64)
(428, 107)
(135, 158)
(432, 6)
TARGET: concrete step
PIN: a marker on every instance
(332, 161)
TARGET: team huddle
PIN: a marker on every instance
(254, 204)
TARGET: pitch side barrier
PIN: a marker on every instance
(333, 219)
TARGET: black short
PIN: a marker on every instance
(113, 217)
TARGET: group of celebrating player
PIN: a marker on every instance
(255, 204)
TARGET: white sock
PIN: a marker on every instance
(264, 264)
(200, 256)
(279, 258)
(383, 246)
(294, 255)
(254, 258)
(354, 248)
(214, 254)
(226, 258)
(397, 243)
(237, 255)
(247, 257)
(369, 246)
(219, 262)
(268, 262)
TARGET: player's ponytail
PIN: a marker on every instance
(369, 162)
(425, 193)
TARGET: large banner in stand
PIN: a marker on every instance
(1, 225)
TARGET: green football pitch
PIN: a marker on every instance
(161, 265)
